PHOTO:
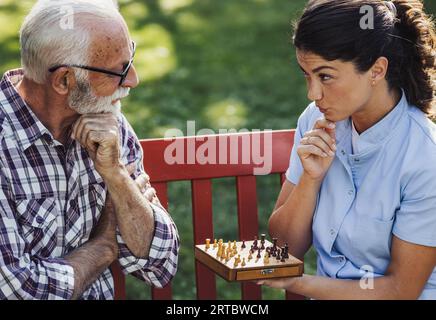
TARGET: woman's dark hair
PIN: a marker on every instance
(333, 30)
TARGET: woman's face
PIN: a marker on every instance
(337, 88)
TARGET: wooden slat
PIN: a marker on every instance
(119, 281)
(248, 225)
(156, 156)
(203, 228)
(166, 292)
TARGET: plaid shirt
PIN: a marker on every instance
(51, 197)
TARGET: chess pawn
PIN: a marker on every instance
(258, 254)
(214, 244)
(239, 258)
(234, 245)
(236, 263)
(207, 244)
(250, 256)
(227, 257)
(220, 241)
(266, 258)
(243, 244)
(243, 262)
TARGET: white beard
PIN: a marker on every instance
(83, 101)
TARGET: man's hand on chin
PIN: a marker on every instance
(98, 134)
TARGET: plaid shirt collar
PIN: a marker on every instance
(26, 127)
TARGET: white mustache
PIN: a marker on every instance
(120, 94)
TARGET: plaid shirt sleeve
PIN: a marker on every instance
(23, 275)
(161, 265)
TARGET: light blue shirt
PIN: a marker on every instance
(388, 187)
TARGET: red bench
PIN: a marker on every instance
(200, 176)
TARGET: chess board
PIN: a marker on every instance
(254, 269)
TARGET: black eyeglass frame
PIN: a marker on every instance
(123, 74)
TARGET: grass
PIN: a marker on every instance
(224, 64)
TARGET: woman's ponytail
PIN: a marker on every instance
(418, 72)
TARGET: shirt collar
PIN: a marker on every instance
(25, 125)
(379, 131)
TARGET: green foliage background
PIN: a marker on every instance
(222, 63)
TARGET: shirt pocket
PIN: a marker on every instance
(38, 220)
(371, 242)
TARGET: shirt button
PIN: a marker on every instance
(39, 219)
(332, 232)
(343, 152)
(351, 192)
(341, 259)
(356, 160)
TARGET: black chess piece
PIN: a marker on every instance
(243, 244)
(258, 253)
(286, 251)
(278, 254)
(255, 247)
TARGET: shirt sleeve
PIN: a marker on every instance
(161, 264)
(295, 169)
(24, 276)
(415, 220)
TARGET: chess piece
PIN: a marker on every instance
(207, 244)
(214, 244)
(243, 262)
(250, 256)
(223, 251)
(274, 245)
(236, 262)
(278, 255)
(243, 244)
(227, 257)
(258, 253)
(234, 245)
(286, 253)
(262, 241)
(266, 258)
(219, 251)
(255, 243)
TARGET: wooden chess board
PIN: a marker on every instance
(254, 268)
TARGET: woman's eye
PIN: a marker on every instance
(325, 77)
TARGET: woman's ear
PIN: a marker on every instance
(379, 69)
(62, 80)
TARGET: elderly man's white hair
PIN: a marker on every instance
(56, 32)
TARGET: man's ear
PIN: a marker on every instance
(62, 80)
(379, 69)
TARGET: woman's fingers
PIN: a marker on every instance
(309, 149)
(320, 143)
(327, 126)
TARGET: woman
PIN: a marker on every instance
(361, 185)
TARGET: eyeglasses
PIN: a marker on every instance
(122, 75)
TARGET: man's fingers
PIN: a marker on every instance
(150, 194)
(142, 180)
(131, 168)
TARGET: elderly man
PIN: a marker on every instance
(72, 195)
